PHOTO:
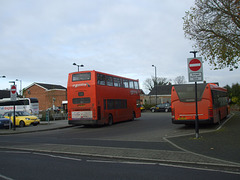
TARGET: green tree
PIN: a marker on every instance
(214, 25)
(234, 93)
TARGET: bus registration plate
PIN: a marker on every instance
(81, 114)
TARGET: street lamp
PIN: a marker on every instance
(12, 82)
(155, 82)
(2, 76)
(78, 65)
(20, 91)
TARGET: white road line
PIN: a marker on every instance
(54, 156)
(5, 177)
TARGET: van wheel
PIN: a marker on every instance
(110, 119)
(21, 124)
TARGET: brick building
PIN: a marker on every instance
(48, 95)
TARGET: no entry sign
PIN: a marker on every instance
(195, 69)
(13, 89)
(195, 64)
(13, 92)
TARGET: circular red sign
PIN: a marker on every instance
(13, 89)
(195, 64)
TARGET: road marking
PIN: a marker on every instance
(55, 156)
(5, 177)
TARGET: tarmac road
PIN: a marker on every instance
(222, 144)
(216, 149)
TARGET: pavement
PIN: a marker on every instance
(219, 149)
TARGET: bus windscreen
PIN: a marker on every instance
(81, 77)
(186, 93)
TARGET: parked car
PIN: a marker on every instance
(4, 122)
(142, 108)
(165, 107)
(22, 118)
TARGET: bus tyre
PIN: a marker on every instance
(133, 116)
(110, 120)
(21, 124)
(219, 118)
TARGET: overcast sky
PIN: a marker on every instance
(40, 40)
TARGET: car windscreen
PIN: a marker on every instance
(186, 92)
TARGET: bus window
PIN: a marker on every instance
(131, 84)
(136, 85)
(117, 82)
(101, 79)
(186, 93)
(81, 77)
(33, 100)
(81, 100)
(109, 81)
(125, 83)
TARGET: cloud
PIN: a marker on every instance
(39, 40)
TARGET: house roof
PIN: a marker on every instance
(161, 90)
(48, 86)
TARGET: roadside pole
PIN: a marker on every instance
(14, 98)
(195, 73)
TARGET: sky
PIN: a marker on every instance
(40, 40)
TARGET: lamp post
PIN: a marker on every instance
(155, 82)
(78, 65)
(20, 91)
(2, 76)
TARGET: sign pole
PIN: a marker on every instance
(196, 101)
(13, 98)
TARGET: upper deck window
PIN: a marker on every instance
(101, 79)
(136, 85)
(81, 77)
(109, 81)
(125, 83)
(117, 82)
(131, 85)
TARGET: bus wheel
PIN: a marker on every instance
(219, 118)
(133, 116)
(21, 124)
(110, 120)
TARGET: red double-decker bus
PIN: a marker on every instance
(96, 98)
(212, 103)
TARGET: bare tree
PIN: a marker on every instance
(150, 82)
(179, 80)
(214, 25)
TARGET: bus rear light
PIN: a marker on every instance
(210, 112)
(173, 113)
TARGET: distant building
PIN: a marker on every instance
(4, 94)
(48, 95)
(163, 95)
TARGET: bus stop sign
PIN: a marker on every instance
(13, 93)
(195, 69)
